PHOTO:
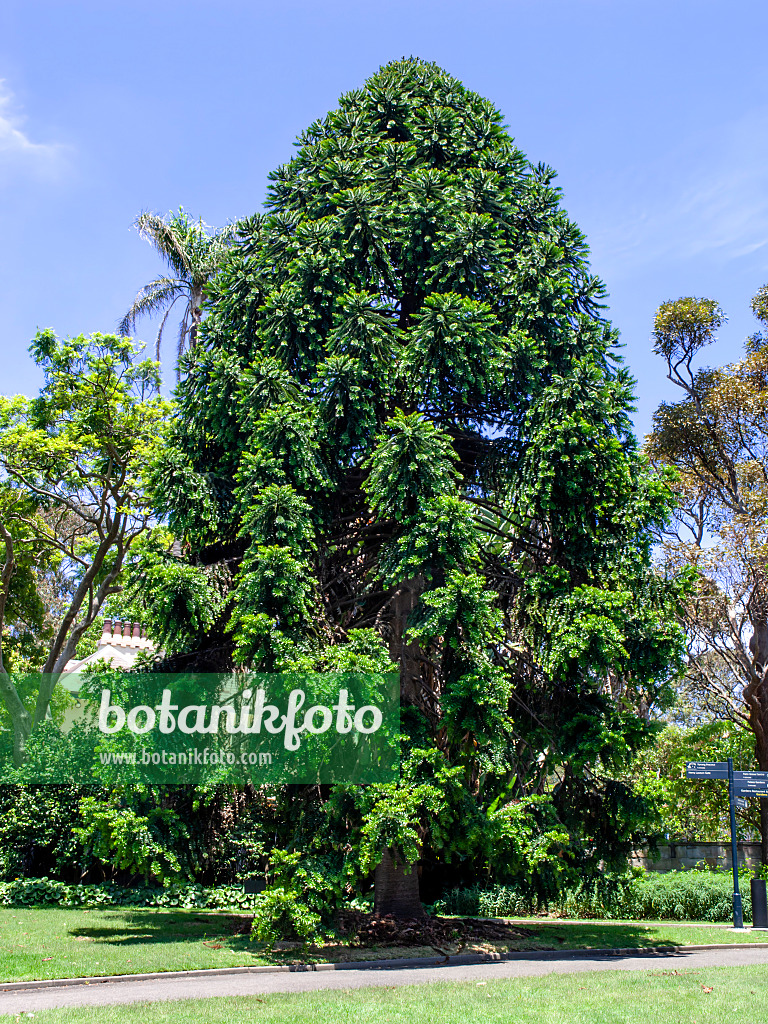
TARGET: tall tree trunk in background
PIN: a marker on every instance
(756, 692)
(195, 313)
(408, 656)
(396, 888)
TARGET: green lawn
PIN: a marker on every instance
(55, 943)
(737, 995)
(597, 934)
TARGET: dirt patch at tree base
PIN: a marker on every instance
(361, 929)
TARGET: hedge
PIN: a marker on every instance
(671, 896)
(36, 892)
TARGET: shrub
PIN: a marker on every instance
(36, 835)
(500, 901)
(281, 914)
(141, 844)
(35, 892)
(671, 896)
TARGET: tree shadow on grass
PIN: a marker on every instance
(578, 935)
(133, 928)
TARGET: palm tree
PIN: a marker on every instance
(194, 253)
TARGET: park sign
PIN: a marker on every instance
(706, 770)
(740, 785)
(751, 783)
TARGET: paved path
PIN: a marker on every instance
(153, 990)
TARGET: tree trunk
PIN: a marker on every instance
(755, 694)
(758, 720)
(21, 720)
(407, 655)
(396, 888)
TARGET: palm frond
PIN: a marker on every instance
(170, 238)
(159, 338)
(150, 299)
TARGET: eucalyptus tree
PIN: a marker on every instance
(716, 438)
(405, 420)
(193, 253)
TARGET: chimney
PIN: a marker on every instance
(106, 633)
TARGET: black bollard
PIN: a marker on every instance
(759, 903)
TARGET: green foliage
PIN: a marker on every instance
(36, 825)
(278, 515)
(76, 459)
(141, 844)
(527, 842)
(686, 809)
(683, 326)
(36, 892)
(441, 537)
(427, 804)
(272, 587)
(410, 417)
(759, 304)
(651, 896)
(174, 600)
(302, 897)
(455, 353)
(36, 586)
(283, 914)
(411, 463)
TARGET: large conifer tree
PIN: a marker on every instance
(405, 415)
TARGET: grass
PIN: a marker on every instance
(699, 996)
(40, 943)
(54, 943)
(603, 934)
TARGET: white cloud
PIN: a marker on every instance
(709, 196)
(17, 149)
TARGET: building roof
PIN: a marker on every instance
(120, 644)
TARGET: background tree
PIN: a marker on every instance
(716, 437)
(404, 429)
(73, 461)
(689, 811)
(193, 252)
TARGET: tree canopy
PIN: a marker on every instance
(72, 493)
(716, 438)
(405, 425)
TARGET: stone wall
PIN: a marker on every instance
(674, 856)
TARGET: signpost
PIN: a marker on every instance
(740, 785)
(738, 913)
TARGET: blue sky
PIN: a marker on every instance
(654, 114)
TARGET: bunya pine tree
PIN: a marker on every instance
(404, 432)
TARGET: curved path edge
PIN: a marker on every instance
(456, 960)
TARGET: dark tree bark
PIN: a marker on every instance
(397, 888)
(756, 691)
